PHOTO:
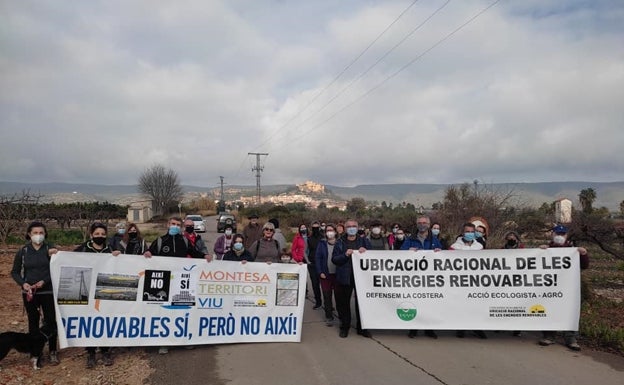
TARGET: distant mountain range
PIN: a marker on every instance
(609, 194)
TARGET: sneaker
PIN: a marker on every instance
(343, 333)
(574, 346)
(460, 334)
(317, 306)
(412, 333)
(546, 342)
(329, 322)
(364, 333)
(163, 350)
(107, 359)
(517, 334)
(54, 359)
(91, 361)
(431, 334)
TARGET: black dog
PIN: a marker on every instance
(23, 343)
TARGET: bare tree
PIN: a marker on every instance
(465, 201)
(14, 210)
(162, 185)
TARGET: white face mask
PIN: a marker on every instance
(228, 232)
(559, 239)
(376, 230)
(37, 239)
(330, 234)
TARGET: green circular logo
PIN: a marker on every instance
(406, 314)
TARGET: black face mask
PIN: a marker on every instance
(133, 235)
(316, 230)
(303, 232)
(511, 242)
(189, 229)
(99, 240)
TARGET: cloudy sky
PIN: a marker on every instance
(340, 92)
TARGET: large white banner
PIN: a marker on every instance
(129, 300)
(525, 289)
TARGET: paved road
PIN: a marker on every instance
(388, 358)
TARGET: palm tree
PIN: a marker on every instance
(587, 197)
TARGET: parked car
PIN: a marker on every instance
(198, 221)
(226, 219)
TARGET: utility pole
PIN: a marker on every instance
(222, 198)
(258, 169)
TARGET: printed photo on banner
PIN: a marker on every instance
(73, 285)
(118, 287)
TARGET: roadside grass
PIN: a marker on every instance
(601, 324)
(602, 309)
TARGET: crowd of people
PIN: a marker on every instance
(325, 248)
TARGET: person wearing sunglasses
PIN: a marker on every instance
(266, 249)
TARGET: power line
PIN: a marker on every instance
(353, 81)
(448, 36)
(315, 97)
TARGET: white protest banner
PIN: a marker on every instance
(129, 300)
(523, 289)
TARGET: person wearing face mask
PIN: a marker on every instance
(299, 246)
(341, 257)
(512, 241)
(327, 270)
(194, 240)
(423, 239)
(120, 231)
(435, 231)
(132, 242)
(398, 239)
(468, 240)
(560, 239)
(174, 243)
(312, 243)
(392, 237)
(98, 244)
(224, 242)
(376, 238)
(481, 235)
(31, 271)
(238, 252)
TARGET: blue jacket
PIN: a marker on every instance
(344, 266)
(321, 257)
(431, 242)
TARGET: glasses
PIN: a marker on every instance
(269, 230)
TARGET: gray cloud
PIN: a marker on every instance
(97, 91)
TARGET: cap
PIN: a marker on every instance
(275, 222)
(560, 229)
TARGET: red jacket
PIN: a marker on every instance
(298, 248)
